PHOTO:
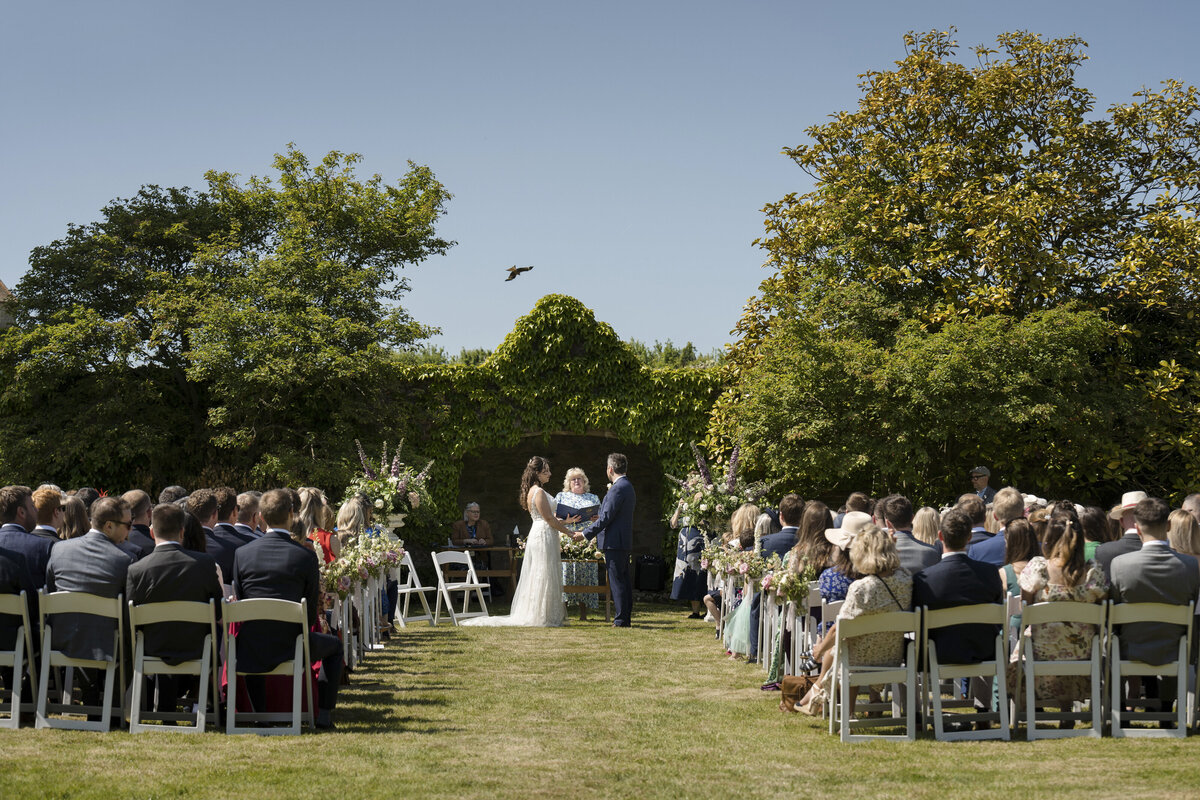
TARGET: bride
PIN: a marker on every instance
(537, 602)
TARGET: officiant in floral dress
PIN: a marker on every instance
(576, 494)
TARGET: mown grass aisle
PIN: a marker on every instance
(584, 711)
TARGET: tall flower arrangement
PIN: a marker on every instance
(394, 488)
(708, 503)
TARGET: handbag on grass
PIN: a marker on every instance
(792, 689)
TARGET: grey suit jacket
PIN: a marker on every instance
(915, 555)
(1154, 574)
(91, 564)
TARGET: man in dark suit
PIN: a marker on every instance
(957, 580)
(613, 532)
(171, 573)
(1007, 506)
(894, 514)
(14, 579)
(1154, 574)
(140, 537)
(227, 504)
(248, 523)
(276, 566)
(1130, 542)
(19, 516)
(49, 504)
(791, 508)
(976, 510)
(221, 545)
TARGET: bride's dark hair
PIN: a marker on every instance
(529, 478)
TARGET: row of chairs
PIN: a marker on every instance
(1103, 662)
(57, 666)
(455, 576)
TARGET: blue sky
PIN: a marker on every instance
(625, 149)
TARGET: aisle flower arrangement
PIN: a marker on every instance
(789, 586)
(369, 555)
(708, 503)
(395, 488)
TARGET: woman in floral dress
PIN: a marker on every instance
(1062, 574)
(576, 494)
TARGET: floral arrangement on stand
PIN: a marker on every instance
(363, 557)
(707, 503)
(789, 586)
(395, 489)
(572, 550)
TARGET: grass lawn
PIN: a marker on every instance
(584, 711)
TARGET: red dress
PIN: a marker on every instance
(322, 537)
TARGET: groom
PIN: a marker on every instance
(613, 532)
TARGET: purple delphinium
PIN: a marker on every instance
(703, 465)
(731, 477)
(396, 460)
(362, 456)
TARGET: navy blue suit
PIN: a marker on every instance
(35, 549)
(231, 531)
(990, 550)
(221, 545)
(774, 544)
(960, 581)
(613, 532)
(139, 537)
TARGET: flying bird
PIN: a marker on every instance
(514, 271)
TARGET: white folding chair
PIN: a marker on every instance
(1032, 668)
(266, 609)
(768, 622)
(21, 659)
(103, 608)
(470, 584)
(205, 667)
(809, 621)
(410, 586)
(1119, 668)
(936, 672)
(848, 677)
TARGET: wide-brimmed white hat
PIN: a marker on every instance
(852, 523)
(1128, 501)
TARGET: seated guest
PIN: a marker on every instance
(87, 496)
(75, 519)
(471, 530)
(19, 516)
(49, 505)
(314, 515)
(139, 507)
(1020, 546)
(1095, 530)
(957, 580)
(1062, 575)
(894, 514)
(172, 494)
(791, 507)
(1007, 506)
(1130, 541)
(835, 580)
(857, 501)
(167, 574)
(276, 566)
(737, 628)
(883, 587)
(227, 506)
(1153, 574)
(248, 524)
(221, 545)
(1183, 532)
(351, 522)
(925, 526)
(976, 510)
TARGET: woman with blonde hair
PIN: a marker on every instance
(576, 494)
(351, 521)
(883, 587)
(737, 630)
(925, 525)
(1183, 532)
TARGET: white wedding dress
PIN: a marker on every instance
(537, 601)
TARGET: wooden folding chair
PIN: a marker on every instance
(22, 659)
(266, 609)
(205, 667)
(103, 608)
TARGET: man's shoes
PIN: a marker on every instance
(324, 721)
(694, 615)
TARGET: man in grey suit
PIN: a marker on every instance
(1153, 574)
(894, 514)
(93, 563)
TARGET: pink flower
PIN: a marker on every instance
(743, 568)
(704, 563)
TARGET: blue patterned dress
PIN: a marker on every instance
(575, 573)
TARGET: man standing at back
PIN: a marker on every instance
(276, 566)
(613, 532)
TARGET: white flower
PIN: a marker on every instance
(704, 506)
(379, 503)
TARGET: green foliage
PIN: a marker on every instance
(669, 355)
(953, 195)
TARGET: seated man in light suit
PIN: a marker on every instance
(276, 566)
(1153, 574)
(894, 514)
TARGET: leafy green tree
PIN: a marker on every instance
(955, 193)
(668, 354)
